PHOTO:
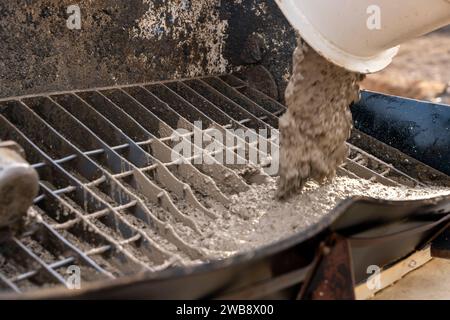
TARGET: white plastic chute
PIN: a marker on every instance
(363, 35)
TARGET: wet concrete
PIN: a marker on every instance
(318, 121)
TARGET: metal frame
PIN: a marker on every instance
(108, 187)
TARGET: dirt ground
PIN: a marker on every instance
(430, 282)
(421, 70)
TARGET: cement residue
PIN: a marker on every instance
(318, 120)
(188, 22)
(256, 218)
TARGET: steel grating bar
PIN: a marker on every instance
(143, 213)
(95, 215)
(88, 261)
(193, 100)
(116, 222)
(59, 192)
(8, 283)
(367, 173)
(215, 97)
(203, 105)
(53, 266)
(222, 92)
(264, 101)
(157, 149)
(90, 153)
(225, 104)
(362, 171)
(242, 100)
(85, 117)
(48, 270)
(387, 170)
(62, 263)
(25, 143)
(234, 110)
(73, 157)
(143, 159)
(158, 108)
(175, 104)
(125, 254)
(186, 109)
(166, 129)
(184, 190)
(96, 182)
(187, 114)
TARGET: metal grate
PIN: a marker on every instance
(111, 199)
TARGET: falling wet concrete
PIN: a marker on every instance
(318, 120)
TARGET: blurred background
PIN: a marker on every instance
(421, 70)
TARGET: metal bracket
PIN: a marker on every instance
(332, 277)
(440, 247)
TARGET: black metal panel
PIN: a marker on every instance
(419, 129)
(137, 41)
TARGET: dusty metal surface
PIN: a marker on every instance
(136, 41)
